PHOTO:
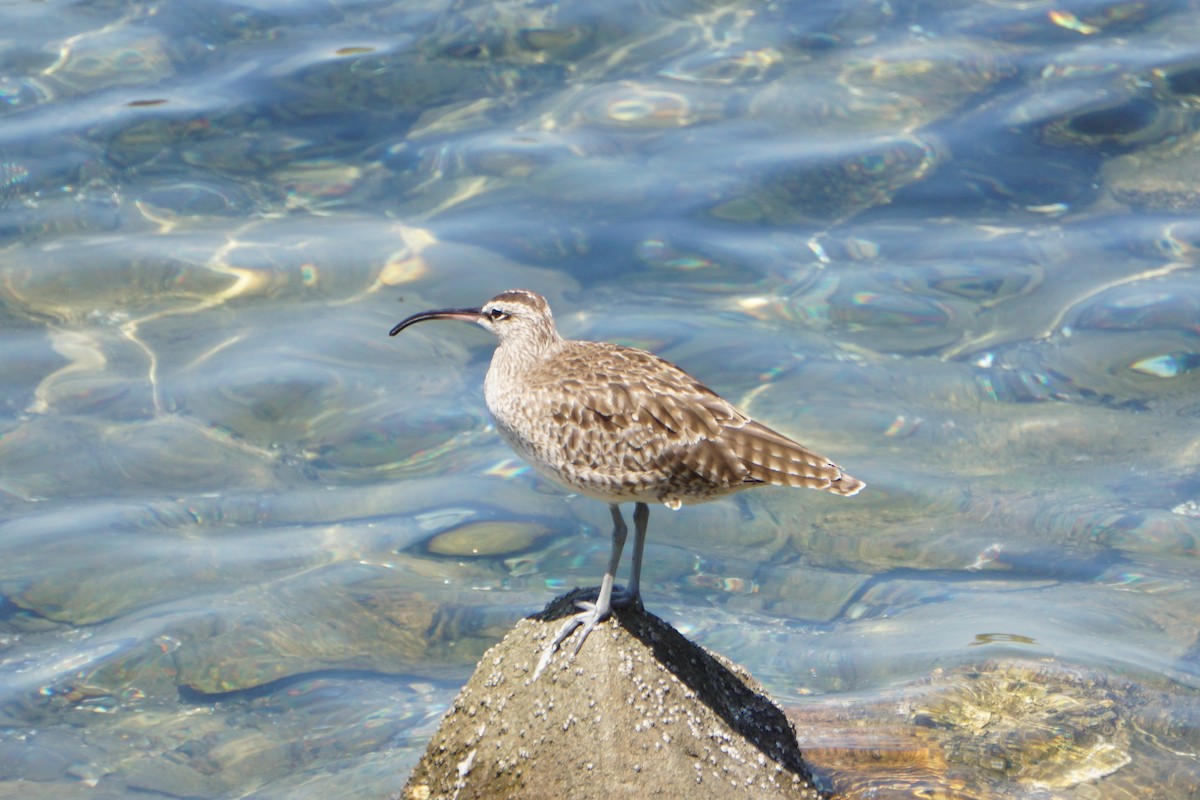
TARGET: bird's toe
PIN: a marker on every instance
(625, 598)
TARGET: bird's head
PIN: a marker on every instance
(518, 317)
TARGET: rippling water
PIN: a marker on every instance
(250, 544)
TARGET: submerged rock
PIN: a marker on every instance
(639, 709)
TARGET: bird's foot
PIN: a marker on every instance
(624, 598)
(588, 618)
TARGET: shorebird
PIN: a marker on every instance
(622, 425)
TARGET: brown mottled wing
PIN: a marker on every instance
(626, 411)
(773, 458)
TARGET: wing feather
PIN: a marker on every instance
(639, 418)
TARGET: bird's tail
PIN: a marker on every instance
(771, 457)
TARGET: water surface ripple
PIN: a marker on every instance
(251, 546)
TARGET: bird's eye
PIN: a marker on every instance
(497, 314)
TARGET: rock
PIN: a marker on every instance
(639, 710)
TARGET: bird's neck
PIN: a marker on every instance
(515, 359)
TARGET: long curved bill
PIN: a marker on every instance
(468, 314)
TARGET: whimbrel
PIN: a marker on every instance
(622, 425)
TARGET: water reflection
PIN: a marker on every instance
(251, 546)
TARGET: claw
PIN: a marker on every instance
(588, 618)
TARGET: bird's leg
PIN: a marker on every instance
(592, 613)
(631, 595)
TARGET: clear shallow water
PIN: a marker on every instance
(252, 545)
